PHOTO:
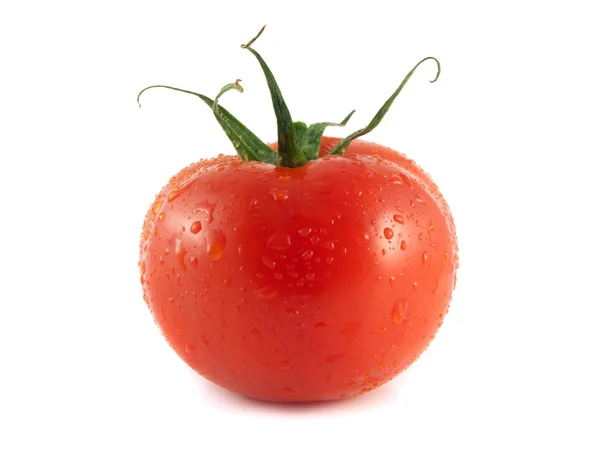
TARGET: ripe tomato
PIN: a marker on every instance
(304, 282)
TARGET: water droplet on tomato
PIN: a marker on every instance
(304, 231)
(416, 286)
(156, 206)
(279, 194)
(268, 262)
(314, 240)
(412, 203)
(320, 325)
(307, 254)
(266, 293)
(215, 244)
(180, 252)
(278, 276)
(403, 245)
(425, 258)
(174, 193)
(292, 312)
(161, 216)
(388, 233)
(406, 179)
(399, 311)
(288, 390)
(398, 219)
(207, 208)
(193, 261)
(190, 348)
(310, 276)
(420, 200)
(330, 260)
(329, 245)
(446, 256)
(195, 227)
(279, 241)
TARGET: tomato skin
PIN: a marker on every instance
(312, 283)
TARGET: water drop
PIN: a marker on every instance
(215, 244)
(180, 252)
(329, 245)
(193, 261)
(398, 219)
(420, 200)
(307, 254)
(425, 258)
(416, 286)
(278, 276)
(403, 245)
(190, 348)
(321, 325)
(279, 194)
(399, 311)
(314, 240)
(406, 179)
(310, 276)
(195, 227)
(446, 256)
(161, 216)
(388, 233)
(304, 231)
(279, 241)
(412, 203)
(268, 262)
(330, 260)
(288, 390)
(266, 293)
(207, 208)
(292, 312)
(156, 206)
(174, 193)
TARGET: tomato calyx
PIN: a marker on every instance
(297, 142)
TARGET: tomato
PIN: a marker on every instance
(312, 281)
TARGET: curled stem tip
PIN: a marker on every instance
(228, 87)
(251, 41)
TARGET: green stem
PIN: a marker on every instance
(288, 145)
(342, 146)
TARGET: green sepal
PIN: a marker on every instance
(342, 146)
(310, 137)
(288, 145)
(247, 145)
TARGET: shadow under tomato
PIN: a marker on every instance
(383, 395)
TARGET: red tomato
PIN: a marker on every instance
(317, 272)
(298, 284)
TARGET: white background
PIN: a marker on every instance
(510, 133)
